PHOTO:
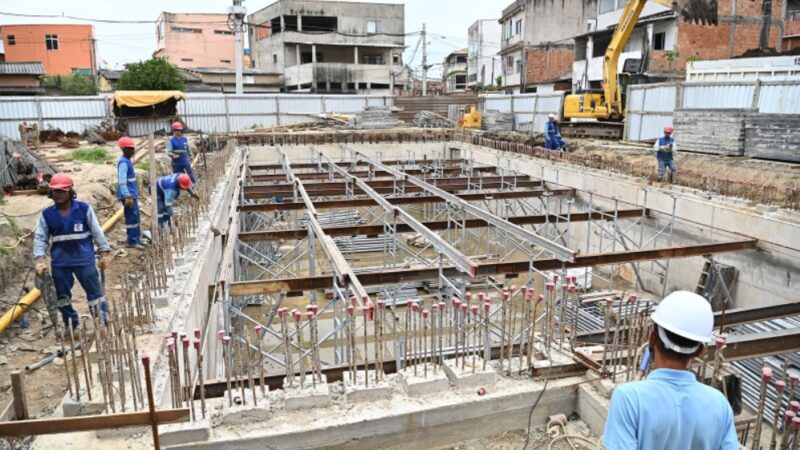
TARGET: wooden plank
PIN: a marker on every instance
(89, 423)
(18, 391)
(8, 412)
(491, 268)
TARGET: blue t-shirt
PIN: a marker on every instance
(670, 410)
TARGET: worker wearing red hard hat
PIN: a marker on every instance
(67, 229)
(128, 192)
(168, 189)
(665, 149)
(179, 150)
(671, 409)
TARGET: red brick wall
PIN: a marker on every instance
(548, 64)
(791, 28)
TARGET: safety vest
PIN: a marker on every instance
(71, 236)
(550, 130)
(130, 178)
(180, 146)
(168, 182)
(665, 156)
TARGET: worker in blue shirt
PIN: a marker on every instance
(670, 409)
(67, 228)
(168, 189)
(128, 192)
(665, 149)
(552, 134)
(178, 149)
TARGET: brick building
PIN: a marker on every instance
(61, 48)
(195, 40)
(663, 42)
(791, 26)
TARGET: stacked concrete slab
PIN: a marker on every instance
(376, 117)
(713, 131)
(773, 136)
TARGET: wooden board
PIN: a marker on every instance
(88, 423)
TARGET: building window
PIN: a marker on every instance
(160, 30)
(372, 59)
(275, 58)
(225, 32)
(519, 66)
(186, 30)
(187, 59)
(51, 41)
(374, 27)
(518, 30)
(396, 58)
(607, 6)
(225, 61)
(509, 63)
(660, 41)
(12, 40)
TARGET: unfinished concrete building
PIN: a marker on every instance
(483, 62)
(328, 46)
(454, 72)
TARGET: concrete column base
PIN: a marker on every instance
(417, 385)
(85, 407)
(467, 377)
(159, 300)
(307, 397)
(246, 411)
(360, 392)
(184, 433)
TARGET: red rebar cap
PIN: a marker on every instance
(789, 416)
(481, 296)
(226, 340)
(442, 306)
(468, 296)
(310, 315)
(609, 303)
(550, 287)
(505, 295)
(258, 329)
(425, 313)
(353, 300)
(351, 310)
(540, 298)
(282, 312)
(474, 309)
(796, 425)
(221, 334)
(793, 378)
(487, 306)
(766, 373)
(780, 385)
(171, 346)
(196, 343)
(555, 278)
(456, 303)
(145, 359)
(464, 308)
(381, 304)
(185, 341)
(524, 289)
(719, 342)
(794, 405)
(529, 296)
(633, 298)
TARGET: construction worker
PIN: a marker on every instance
(670, 409)
(168, 188)
(178, 149)
(128, 192)
(665, 148)
(552, 134)
(67, 228)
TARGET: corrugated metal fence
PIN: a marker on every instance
(530, 110)
(651, 106)
(207, 112)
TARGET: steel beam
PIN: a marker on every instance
(460, 260)
(405, 200)
(492, 268)
(759, 345)
(375, 230)
(557, 250)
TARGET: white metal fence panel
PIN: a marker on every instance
(500, 103)
(717, 96)
(649, 110)
(780, 97)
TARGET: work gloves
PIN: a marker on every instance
(41, 265)
(105, 260)
(129, 202)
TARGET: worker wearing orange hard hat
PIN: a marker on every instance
(168, 189)
(179, 150)
(128, 192)
(68, 230)
(665, 149)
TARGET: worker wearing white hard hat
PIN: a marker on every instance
(670, 409)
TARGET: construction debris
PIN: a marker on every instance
(29, 134)
(374, 117)
(100, 134)
(20, 168)
(494, 120)
(429, 119)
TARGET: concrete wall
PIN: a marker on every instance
(772, 136)
(766, 277)
(713, 131)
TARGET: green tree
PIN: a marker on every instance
(155, 74)
(73, 84)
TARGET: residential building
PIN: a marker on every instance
(107, 79)
(537, 45)
(454, 71)
(791, 26)
(663, 41)
(195, 40)
(61, 48)
(483, 61)
(210, 79)
(330, 46)
(21, 78)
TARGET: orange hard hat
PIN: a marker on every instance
(125, 142)
(61, 181)
(177, 126)
(184, 181)
(668, 129)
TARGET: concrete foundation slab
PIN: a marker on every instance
(85, 407)
(417, 385)
(159, 300)
(184, 433)
(307, 397)
(245, 410)
(467, 377)
(361, 392)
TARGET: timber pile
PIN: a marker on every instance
(20, 168)
(429, 119)
(712, 131)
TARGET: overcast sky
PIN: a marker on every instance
(117, 44)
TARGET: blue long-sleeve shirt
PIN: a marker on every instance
(188, 149)
(122, 181)
(41, 239)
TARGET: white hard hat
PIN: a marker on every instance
(551, 116)
(687, 315)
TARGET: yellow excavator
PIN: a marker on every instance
(608, 104)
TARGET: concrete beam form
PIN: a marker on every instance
(447, 170)
(493, 268)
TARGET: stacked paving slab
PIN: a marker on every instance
(713, 131)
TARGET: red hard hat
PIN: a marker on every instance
(125, 142)
(61, 181)
(177, 126)
(668, 129)
(184, 181)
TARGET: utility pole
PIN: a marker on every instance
(424, 62)
(237, 12)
